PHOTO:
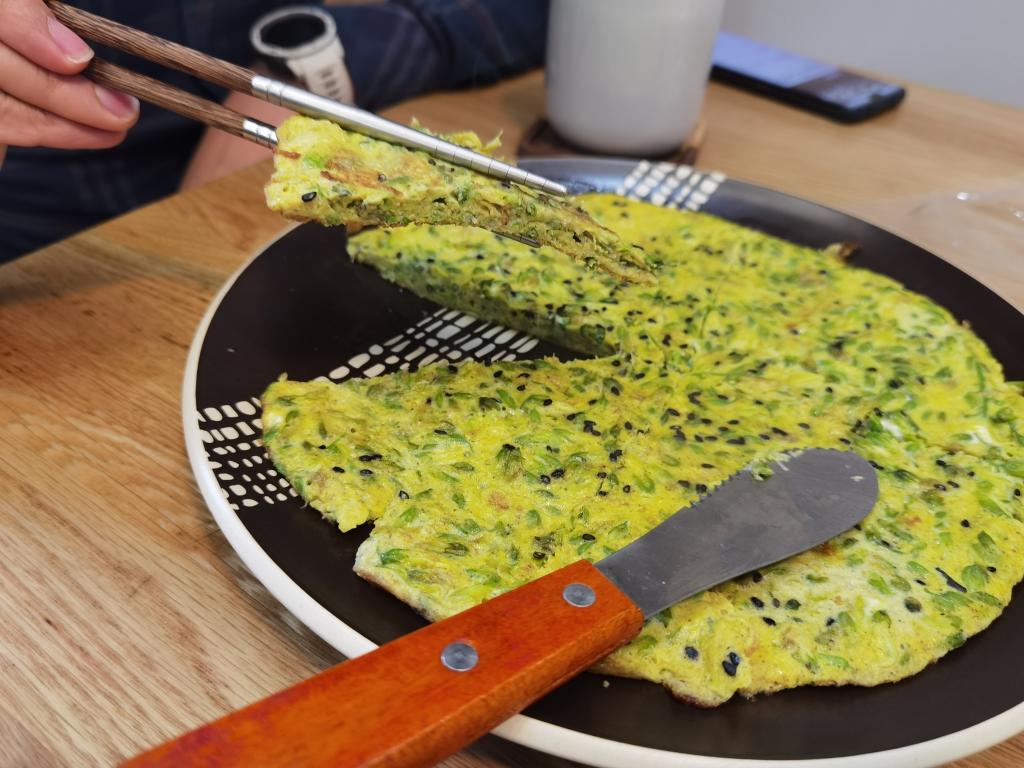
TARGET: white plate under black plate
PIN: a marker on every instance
(302, 307)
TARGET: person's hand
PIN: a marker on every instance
(43, 99)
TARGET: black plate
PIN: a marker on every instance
(303, 308)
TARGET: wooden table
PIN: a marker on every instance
(125, 618)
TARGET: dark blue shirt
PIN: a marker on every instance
(393, 51)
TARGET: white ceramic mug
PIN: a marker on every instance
(628, 76)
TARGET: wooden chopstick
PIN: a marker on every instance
(180, 102)
(153, 48)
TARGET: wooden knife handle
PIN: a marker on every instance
(401, 705)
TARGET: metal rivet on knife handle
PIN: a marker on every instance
(579, 595)
(459, 657)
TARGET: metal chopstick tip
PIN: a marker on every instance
(261, 133)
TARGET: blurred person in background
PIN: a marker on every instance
(77, 154)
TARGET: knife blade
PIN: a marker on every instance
(421, 697)
(745, 524)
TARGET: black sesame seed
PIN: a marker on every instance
(951, 581)
(737, 441)
(775, 602)
(991, 569)
(498, 374)
(830, 621)
(546, 479)
(403, 495)
(757, 602)
(588, 537)
(547, 401)
(628, 426)
(912, 604)
(539, 556)
(627, 488)
(558, 472)
(365, 472)
(339, 470)
(683, 483)
(309, 197)
(768, 620)
(756, 577)
(602, 475)
(370, 457)
(729, 667)
(792, 604)
(965, 523)
(452, 369)
(705, 465)
(615, 455)
(602, 493)
(381, 177)
(671, 412)
(691, 652)
(701, 488)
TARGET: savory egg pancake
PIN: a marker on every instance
(325, 173)
(479, 477)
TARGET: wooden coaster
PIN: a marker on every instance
(541, 140)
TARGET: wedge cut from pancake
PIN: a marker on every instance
(324, 173)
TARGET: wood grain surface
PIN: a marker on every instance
(125, 618)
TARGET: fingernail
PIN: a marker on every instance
(117, 103)
(71, 45)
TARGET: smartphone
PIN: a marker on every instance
(800, 81)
